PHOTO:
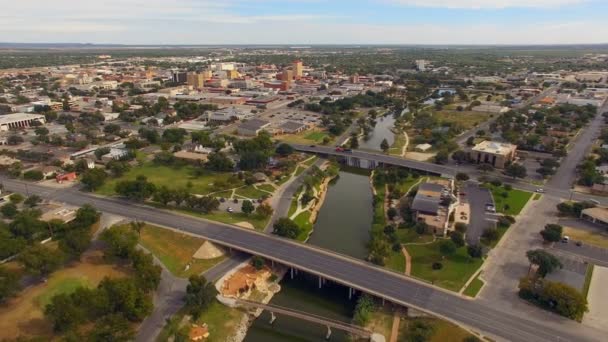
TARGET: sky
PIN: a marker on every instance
(304, 21)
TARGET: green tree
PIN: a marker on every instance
(219, 161)
(32, 201)
(568, 301)
(114, 327)
(247, 207)
(121, 241)
(384, 145)
(147, 274)
(516, 170)
(64, 313)
(457, 238)
(93, 179)
(441, 157)
(461, 227)
(285, 227)
(76, 242)
(475, 251)
(447, 247)
(545, 261)
(9, 283)
(257, 262)
(16, 198)
(264, 210)
(41, 260)
(139, 189)
(9, 210)
(552, 233)
(284, 150)
(199, 295)
(490, 235)
(461, 176)
(460, 156)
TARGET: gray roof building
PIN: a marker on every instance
(428, 198)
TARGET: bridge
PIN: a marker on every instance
(371, 160)
(353, 273)
(324, 321)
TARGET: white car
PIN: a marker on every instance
(540, 190)
(229, 210)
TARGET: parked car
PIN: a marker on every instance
(540, 190)
(339, 149)
(565, 239)
(230, 210)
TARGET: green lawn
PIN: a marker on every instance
(516, 199)
(250, 192)
(467, 119)
(176, 177)
(457, 269)
(229, 218)
(299, 170)
(409, 235)
(407, 184)
(398, 144)
(306, 137)
(474, 287)
(303, 221)
(588, 276)
(175, 250)
(537, 197)
(266, 187)
(64, 286)
(396, 262)
(316, 136)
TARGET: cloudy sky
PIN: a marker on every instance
(305, 21)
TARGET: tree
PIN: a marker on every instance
(284, 150)
(139, 189)
(471, 141)
(247, 207)
(441, 157)
(516, 170)
(147, 274)
(461, 176)
(14, 140)
(461, 227)
(285, 227)
(86, 216)
(122, 295)
(485, 168)
(41, 260)
(546, 262)
(32, 201)
(419, 331)
(552, 233)
(264, 210)
(447, 247)
(16, 198)
(457, 238)
(76, 242)
(121, 241)
(460, 156)
(475, 251)
(384, 145)
(9, 283)
(391, 213)
(199, 295)
(257, 262)
(219, 161)
(354, 142)
(137, 226)
(567, 301)
(114, 327)
(94, 178)
(33, 175)
(490, 234)
(9, 210)
(64, 313)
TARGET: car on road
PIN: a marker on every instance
(230, 210)
(348, 150)
(565, 239)
(313, 146)
(540, 190)
(596, 202)
(339, 149)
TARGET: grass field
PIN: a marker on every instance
(398, 144)
(178, 177)
(516, 200)
(467, 119)
(23, 315)
(588, 276)
(229, 218)
(442, 330)
(250, 192)
(310, 161)
(303, 221)
(396, 261)
(409, 235)
(474, 287)
(266, 187)
(598, 238)
(457, 269)
(315, 136)
(175, 250)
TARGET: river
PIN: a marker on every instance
(381, 131)
(343, 226)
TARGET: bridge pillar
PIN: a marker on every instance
(291, 269)
(272, 317)
(328, 335)
(320, 281)
(272, 263)
(350, 293)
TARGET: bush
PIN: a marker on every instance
(490, 234)
(504, 222)
(496, 182)
(461, 227)
(457, 238)
(421, 227)
(552, 233)
(33, 175)
(437, 266)
(508, 187)
(16, 198)
(475, 251)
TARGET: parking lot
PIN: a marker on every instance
(480, 218)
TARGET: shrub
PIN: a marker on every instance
(475, 251)
(496, 182)
(437, 266)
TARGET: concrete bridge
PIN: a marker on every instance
(369, 160)
(323, 321)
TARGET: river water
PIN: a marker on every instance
(343, 226)
(381, 131)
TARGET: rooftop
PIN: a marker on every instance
(9, 118)
(494, 147)
(597, 213)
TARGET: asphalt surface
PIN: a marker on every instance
(352, 272)
(480, 219)
(585, 252)
(170, 294)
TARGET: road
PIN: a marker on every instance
(170, 294)
(397, 288)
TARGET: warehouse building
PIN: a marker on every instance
(19, 120)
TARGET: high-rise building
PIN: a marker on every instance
(197, 79)
(286, 77)
(297, 69)
(354, 78)
(421, 65)
(179, 76)
(232, 74)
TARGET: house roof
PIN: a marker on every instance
(254, 124)
(597, 213)
(292, 125)
(428, 198)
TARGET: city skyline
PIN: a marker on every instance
(503, 22)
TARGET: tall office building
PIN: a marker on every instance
(197, 79)
(179, 76)
(287, 77)
(297, 69)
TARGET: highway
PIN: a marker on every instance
(351, 272)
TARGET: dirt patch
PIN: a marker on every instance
(208, 250)
(419, 156)
(245, 225)
(245, 280)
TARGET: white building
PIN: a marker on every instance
(19, 120)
